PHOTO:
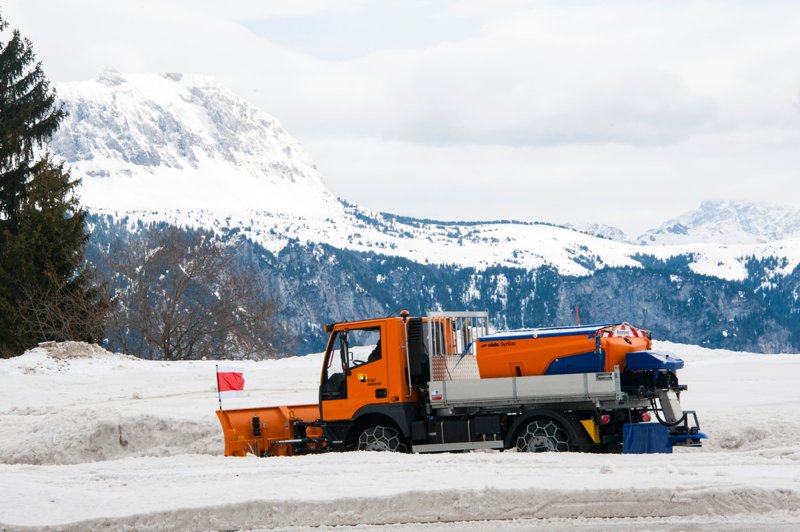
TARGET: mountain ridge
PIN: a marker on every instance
(728, 222)
(177, 148)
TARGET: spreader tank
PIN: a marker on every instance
(559, 350)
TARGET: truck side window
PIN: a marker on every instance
(365, 346)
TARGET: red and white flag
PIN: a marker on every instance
(230, 382)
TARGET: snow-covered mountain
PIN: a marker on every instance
(171, 141)
(184, 149)
(728, 222)
(602, 230)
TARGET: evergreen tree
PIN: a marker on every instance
(46, 290)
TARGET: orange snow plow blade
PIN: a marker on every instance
(268, 431)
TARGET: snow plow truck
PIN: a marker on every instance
(444, 382)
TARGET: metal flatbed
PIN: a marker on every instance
(590, 389)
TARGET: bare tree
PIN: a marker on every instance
(57, 311)
(180, 297)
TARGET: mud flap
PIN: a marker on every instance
(645, 438)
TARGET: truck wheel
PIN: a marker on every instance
(380, 438)
(543, 435)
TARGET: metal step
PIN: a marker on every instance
(458, 446)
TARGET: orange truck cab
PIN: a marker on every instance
(445, 382)
(364, 383)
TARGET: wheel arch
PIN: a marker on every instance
(370, 419)
(400, 415)
(575, 432)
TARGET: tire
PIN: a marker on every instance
(543, 435)
(380, 438)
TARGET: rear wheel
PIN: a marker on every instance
(380, 438)
(543, 435)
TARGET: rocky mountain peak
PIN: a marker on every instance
(172, 141)
(729, 222)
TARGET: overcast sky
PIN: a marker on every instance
(624, 113)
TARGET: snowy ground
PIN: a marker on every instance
(93, 440)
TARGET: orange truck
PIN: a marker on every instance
(445, 382)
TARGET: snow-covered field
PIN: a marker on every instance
(94, 440)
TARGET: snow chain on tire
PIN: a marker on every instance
(543, 436)
(380, 438)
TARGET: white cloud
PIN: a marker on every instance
(630, 187)
(550, 104)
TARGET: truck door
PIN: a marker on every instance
(334, 379)
(355, 372)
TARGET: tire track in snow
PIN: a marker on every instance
(460, 506)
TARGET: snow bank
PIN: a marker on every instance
(206, 492)
(57, 357)
(74, 402)
(459, 506)
(58, 439)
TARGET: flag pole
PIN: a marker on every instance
(219, 395)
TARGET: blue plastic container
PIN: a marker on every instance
(650, 360)
(645, 438)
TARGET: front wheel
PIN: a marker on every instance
(380, 438)
(543, 435)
